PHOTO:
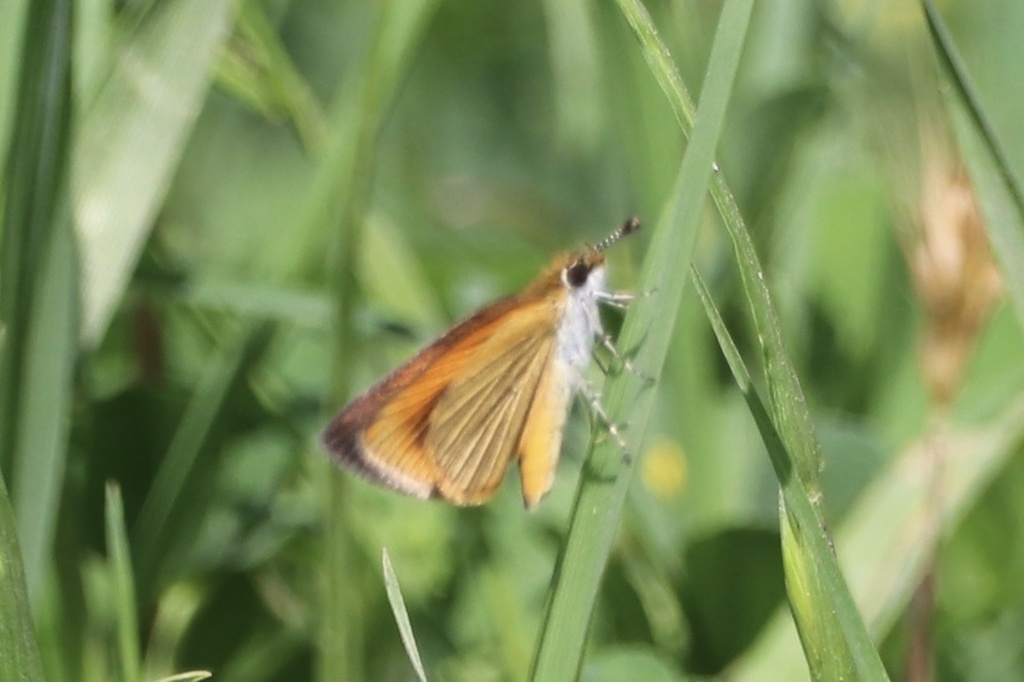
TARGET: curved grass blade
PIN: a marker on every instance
(848, 653)
(401, 615)
(784, 388)
(809, 591)
(647, 329)
(883, 569)
(994, 180)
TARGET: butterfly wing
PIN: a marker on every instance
(541, 440)
(476, 426)
(448, 422)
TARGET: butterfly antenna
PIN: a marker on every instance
(627, 228)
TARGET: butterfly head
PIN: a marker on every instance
(578, 267)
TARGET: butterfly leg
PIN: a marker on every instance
(594, 399)
(616, 299)
(620, 299)
(609, 345)
(627, 364)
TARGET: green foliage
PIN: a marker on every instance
(273, 204)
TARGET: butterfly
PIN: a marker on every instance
(494, 389)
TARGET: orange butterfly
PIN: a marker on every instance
(494, 388)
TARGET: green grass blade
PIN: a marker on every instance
(340, 196)
(997, 186)
(120, 564)
(822, 635)
(656, 54)
(20, 659)
(153, 533)
(646, 330)
(839, 650)
(46, 398)
(401, 615)
(38, 290)
(131, 140)
(12, 32)
(258, 70)
(882, 568)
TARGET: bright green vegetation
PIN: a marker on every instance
(221, 219)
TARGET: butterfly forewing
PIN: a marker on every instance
(381, 434)
(450, 420)
(476, 426)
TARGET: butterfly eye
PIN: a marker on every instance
(577, 273)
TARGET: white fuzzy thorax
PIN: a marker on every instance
(580, 324)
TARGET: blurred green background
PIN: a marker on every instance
(277, 202)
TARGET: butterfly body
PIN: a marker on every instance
(494, 389)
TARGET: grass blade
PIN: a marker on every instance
(20, 659)
(401, 615)
(821, 634)
(12, 33)
(339, 198)
(152, 536)
(843, 650)
(993, 178)
(120, 565)
(38, 289)
(883, 569)
(46, 398)
(132, 139)
(647, 328)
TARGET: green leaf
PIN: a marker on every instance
(646, 333)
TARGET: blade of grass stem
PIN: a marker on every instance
(657, 55)
(646, 331)
(38, 290)
(191, 676)
(120, 563)
(131, 140)
(882, 568)
(820, 633)
(20, 659)
(13, 14)
(994, 180)
(257, 69)
(340, 198)
(401, 614)
(153, 534)
(837, 662)
(47, 397)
